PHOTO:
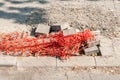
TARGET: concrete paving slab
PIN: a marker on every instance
(78, 75)
(8, 61)
(53, 76)
(36, 62)
(107, 61)
(104, 76)
(116, 45)
(65, 26)
(91, 50)
(107, 51)
(94, 43)
(83, 61)
(33, 74)
(44, 29)
(104, 41)
(69, 31)
(65, 32)
(72, 31)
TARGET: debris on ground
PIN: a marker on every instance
(59, 44)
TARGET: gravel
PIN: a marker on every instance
(81, 16)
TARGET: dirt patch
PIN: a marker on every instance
(80, 16)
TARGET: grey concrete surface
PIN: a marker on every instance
(13, 15)
(44, 29)
(67, 32)
(104, 77)
(36, 62)
(116, 46)
(107, 51)
(107, 61)
(91, 51)
(106, 46)
(7, 61)
(77, 61)
(37, 73)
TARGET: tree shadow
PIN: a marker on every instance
(27, 1)
(1, 4)
(25, 15)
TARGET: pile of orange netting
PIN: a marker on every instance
(58, 45)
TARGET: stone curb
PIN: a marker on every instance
(108, 61)
(8, 61)
(36, 62)
(81, 61)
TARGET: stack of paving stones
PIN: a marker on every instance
(45, 29)
(93, 48)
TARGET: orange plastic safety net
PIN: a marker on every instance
(57, 44)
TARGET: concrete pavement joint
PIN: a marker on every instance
(66, 75)
(95, 62)
(113, 48)
(90, 76)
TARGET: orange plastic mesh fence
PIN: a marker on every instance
(51, 45)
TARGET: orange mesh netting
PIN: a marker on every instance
(52, 45)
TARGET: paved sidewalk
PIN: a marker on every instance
(110, 57)
(37, 73)
(13, 15)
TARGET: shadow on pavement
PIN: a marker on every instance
(29, 15)
(1, 4)
(26, 1)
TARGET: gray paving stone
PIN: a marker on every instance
(65, 26)
(104, 41)
(78, 75)
(77, 61)
(44, 29)
(91, 50)
(107, 51)
(65, 32)
(107, 61)
(116, 45)
(104, 76)
(106, 46)
(94, 43)
(8, 61)
(36, 62)
(69, 31)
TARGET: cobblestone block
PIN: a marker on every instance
(69, 31)
(91, 51)
(107, 51)
(43, 29)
